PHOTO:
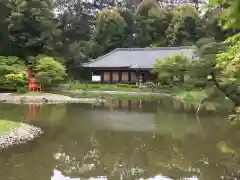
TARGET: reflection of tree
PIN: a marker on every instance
(77, 147)
(51, 115)
(13, 112)
(29, 162)
(130, 155)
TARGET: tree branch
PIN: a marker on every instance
(235, 100)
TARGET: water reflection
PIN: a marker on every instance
(140, 142)
(57, 175)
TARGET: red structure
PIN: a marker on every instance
(32, 85)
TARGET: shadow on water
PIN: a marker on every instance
(121, 140)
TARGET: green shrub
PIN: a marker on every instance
(49, 71)
(43, 78)
(22, 90)
(12, 73)
(17, 80)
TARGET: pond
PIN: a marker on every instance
(129, 140)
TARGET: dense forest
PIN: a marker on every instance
(49, 36)
(75, 31)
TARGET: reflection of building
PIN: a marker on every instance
(127, 104)
(123, 104)
(138, 105)
(187, 107)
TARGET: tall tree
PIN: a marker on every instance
(30, 25)
(213, 27)
(185, 27)
(75, 20)
(4, 40)
(228, 61)
(111, 30)
(230, 11)
(152, 23)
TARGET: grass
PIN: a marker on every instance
(104, 87)
(6, 125)
(118, 96)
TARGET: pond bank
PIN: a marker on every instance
(19, 135)
(43, 98)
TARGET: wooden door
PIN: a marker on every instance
(106, 76)
(125, 76)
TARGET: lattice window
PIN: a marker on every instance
(124, 76)
(115, 76)
(106, 76)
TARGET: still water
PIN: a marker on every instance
(130, 140)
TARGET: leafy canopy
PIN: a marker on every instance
(175, 66)
(229, 61)
(49, 71)
(12, 73)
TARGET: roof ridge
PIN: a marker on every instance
(156, 48)
(140, 49)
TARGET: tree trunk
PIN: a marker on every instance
(234, 99)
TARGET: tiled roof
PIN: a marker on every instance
(138, 57)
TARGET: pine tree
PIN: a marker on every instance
(30, 26)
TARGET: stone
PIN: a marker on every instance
(20, 135)
(43, 98)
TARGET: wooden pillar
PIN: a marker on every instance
(129, 77)
(102, 76)
(120, 76)
(111, 77)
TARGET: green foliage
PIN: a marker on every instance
(152, 23)
(192, 96)
(30, 25)
(16, 80)
(212, 26)
(185, 27)
(49, 71)
(22, 90)
(174, 67)
(111, 29)
(83, 30)
(12, 73)
(200, 69)
(229, 61)
(230, 12)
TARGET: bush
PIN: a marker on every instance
(43, 78)
(22, 90)
(12, 73)
(49, 71)
(17, 80)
